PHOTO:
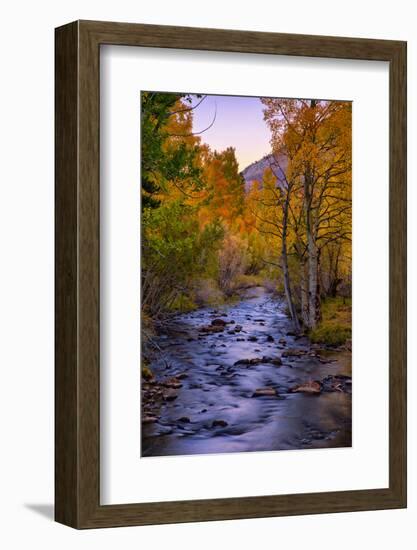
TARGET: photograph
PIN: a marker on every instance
(246, 273)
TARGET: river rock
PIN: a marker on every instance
(218, 322)
(212, 328)
(313, 388)
(252, 339)
(254, 361)
(293, 352)
(172, 383)
(170, 395)
(269, 338)
(238, 328)
(258, 360)
(265, 392)
(149, 419)
(219, 424)
(184, 420)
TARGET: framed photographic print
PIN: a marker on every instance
(230, 274)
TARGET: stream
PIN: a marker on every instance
(221, 388)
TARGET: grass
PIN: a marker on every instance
(335, 327)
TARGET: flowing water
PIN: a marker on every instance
(215, 410)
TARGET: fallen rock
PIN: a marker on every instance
(265, 392)
(313, 388)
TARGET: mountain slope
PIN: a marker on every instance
(255, 171)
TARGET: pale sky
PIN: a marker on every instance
(239, 123)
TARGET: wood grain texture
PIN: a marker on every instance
(66, 237)
(78, 284)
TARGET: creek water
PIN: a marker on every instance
(215, 411)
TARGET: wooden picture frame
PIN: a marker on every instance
(77, 405)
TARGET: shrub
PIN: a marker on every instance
(183, 303)
(207, 293)
(336, 325)
(232, 261)
(147, 374)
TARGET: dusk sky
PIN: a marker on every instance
(239, 123)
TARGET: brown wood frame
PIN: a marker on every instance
(77, 373)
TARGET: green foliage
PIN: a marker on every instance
(174, 251)
(183, 304)
(335, 327)
(161, 163)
